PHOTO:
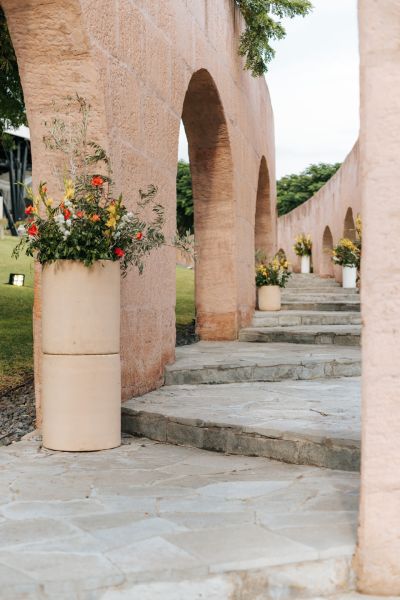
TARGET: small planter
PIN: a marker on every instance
(81, 379)
(305, 266)
(349, 277)
(269, 297)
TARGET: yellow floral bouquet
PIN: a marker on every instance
(346, 253)
(272, 273)
(303, 245)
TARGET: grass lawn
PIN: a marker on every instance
(16, 343)
(184, 296)
(16, 346)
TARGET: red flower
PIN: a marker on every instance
(32, 229)
(97, 181)
(95, 218)
(79, 214)
(29, 210)
(67, 214)
(139, 235)
(119, 252)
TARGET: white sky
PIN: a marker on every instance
(313, 82)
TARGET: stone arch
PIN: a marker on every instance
(55, 60)
(214, 215)
(349, 227)
(327, 246)
(263, 220)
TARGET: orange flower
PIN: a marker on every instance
(29, 210)
(79, 214)
(67, 214)
(32, 229)
(95, 218)
(139, 235)
(43, 189)
(97, 181)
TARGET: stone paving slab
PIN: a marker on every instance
(149, 521)
(300, 422)
(318, 304)
(234, 362)
(342, 335)
(285, 318)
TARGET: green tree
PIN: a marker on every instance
(262, 27)
(293, 190)
(184, 198)
(12, 106)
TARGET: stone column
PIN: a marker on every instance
(378, 555)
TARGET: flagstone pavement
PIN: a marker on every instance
(149, 521)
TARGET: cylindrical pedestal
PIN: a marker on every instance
(349, 277)
(269, 297)
(81, 402)
(305, 266)
(81, 373)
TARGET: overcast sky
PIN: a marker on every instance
(313, 82)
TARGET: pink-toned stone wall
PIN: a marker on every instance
(134, 60)
(378, 556)
(327, 208)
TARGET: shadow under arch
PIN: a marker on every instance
(327, 247)
(263, 224)
(349, 227)
(214, 212)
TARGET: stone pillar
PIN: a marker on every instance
(378, 555)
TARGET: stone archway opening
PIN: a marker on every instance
(349, 228)
(214, 220)
(327, 269)
(263, 244)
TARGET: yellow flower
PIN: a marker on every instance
(69, 189)
(49, 202)
(112, 222)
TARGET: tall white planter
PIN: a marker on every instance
(305, 266)
(81, 375)
(349, 277)
(269, 297)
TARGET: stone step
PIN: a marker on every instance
(299, 422)
(323, 305)
(341, 335)
(321, 290)
(289, 318)
(300, 280)
(232, 362)
(300, 297)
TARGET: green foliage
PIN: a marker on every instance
(184, 199)
(12, 107)
(262, 27)
(293, 190)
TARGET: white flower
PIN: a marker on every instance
(67, 203)
(68, 222)
(59, 219)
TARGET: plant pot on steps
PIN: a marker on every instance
(349, 277)
(81, 378)
(269, 298)
(305, 264)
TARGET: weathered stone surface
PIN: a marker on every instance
(342, 335)
(214, 362)
(308, 422)
(153, 521)
(305, 317)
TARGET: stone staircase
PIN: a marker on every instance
(314, 311)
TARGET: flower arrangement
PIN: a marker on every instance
(303, 245)
(272, 273)
(89, 223)
(282, 258)
(346, 254)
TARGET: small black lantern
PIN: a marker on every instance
(16, 279)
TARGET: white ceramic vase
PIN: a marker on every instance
(269, 297)
(305, 266)
(349, 277)
(81, 374)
